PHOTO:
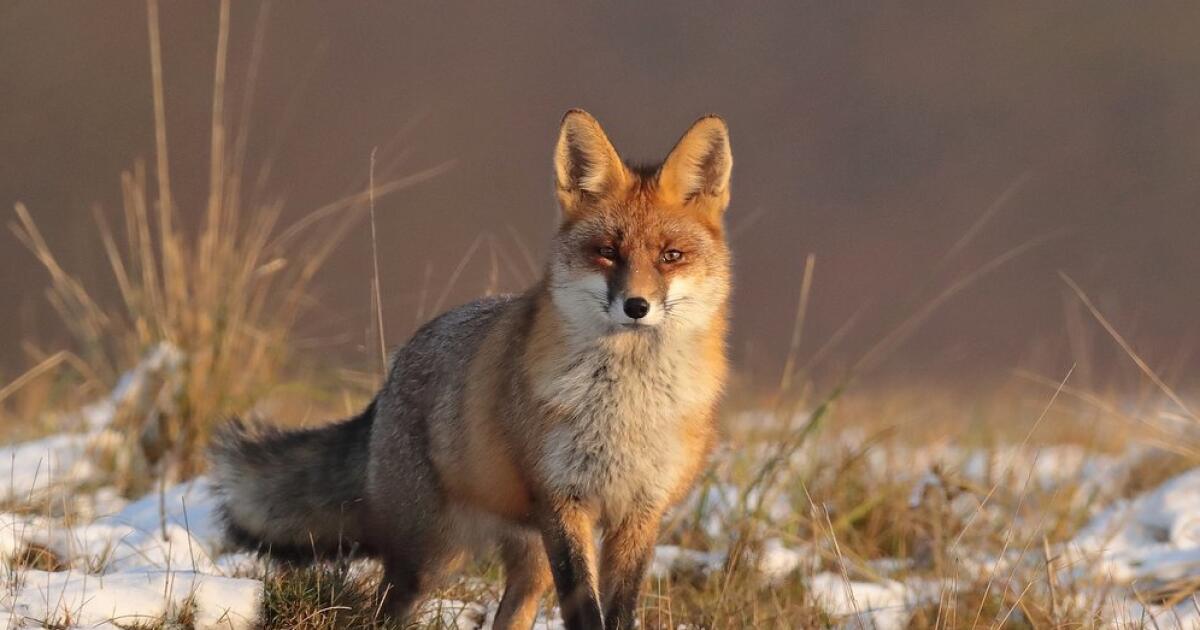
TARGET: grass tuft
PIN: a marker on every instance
(226, 295)
(323, 597)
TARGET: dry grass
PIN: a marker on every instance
(343, 594)
(322, 598)
(35, 557)
(845, 467)
(848, 486)
(226, 295)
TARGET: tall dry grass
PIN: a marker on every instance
(227, 295)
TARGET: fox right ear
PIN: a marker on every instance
(697, 170)
(585, 163)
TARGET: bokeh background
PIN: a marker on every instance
(903, 144)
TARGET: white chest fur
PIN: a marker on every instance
(620, 408)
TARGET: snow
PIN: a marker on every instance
(1145, 543)
(129, 597)
(721, 506)
(155, 532)
(144, 559)
(674, 560)
(452, 613)
(1129, 613)
(1156, 536)
(776, 561)
(881, 606)
(32, 468)
(127, 562)
(142, 562)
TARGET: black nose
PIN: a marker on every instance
(636, 307)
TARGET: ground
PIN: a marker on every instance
(808, 517)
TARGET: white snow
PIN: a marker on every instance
(155, 532)
(1127, 612)
(1154, 536)
(776, 561)
(128, 562)
(721, 506)
(454, 614)
(862, 604)
(129, 597)
(674, 560)
(142, 562)
(29, 469)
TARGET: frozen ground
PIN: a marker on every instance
(124, 562)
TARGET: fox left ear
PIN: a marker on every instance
(586, 166)
(698, 168)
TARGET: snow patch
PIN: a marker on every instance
(30, 469)
(672, 560)
(172, 531)
(127, 598)
(1156, 536)
(881, 606)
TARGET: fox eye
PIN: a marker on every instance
(672, 255)
(607, 252)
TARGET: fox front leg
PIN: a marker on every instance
(625, 557)
(567, 533)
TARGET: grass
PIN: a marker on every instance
(844, 495)
(35, 557)
(851, 507)
(226, 295)
(344, 594)
(324, 597)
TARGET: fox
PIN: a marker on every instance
(540, 424)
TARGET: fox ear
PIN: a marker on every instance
(585, 162)
(697, 170)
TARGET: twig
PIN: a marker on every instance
(785, 380)
(1112, 331)
(375, 263)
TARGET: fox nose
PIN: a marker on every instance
(636, 307)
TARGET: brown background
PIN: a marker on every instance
(871, 134)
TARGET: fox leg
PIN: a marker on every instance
(567, 534)
(527, 576)
(416, 554)
(410, 571)
(402, 584)
(625, 557)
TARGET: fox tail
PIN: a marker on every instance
(297, 494)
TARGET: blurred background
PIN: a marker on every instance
(905, 146)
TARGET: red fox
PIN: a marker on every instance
(529, 422)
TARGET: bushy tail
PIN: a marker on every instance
(296, 494)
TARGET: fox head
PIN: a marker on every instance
(640, 249)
